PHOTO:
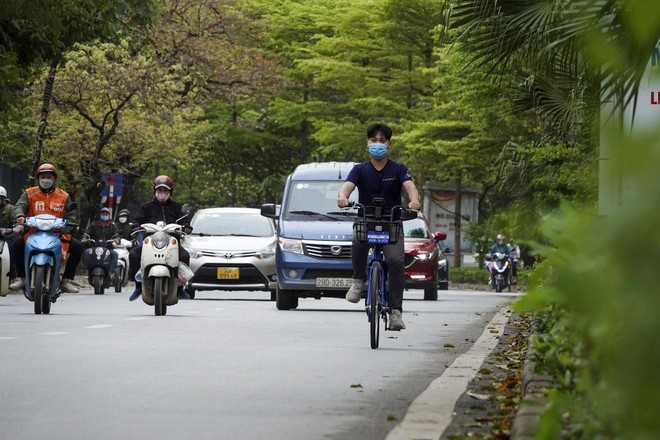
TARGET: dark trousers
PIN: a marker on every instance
(394, 255)
(72, 261)
(135, 256)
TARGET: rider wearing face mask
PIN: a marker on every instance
(160, 208)
(46, 198)
(123, 226)
(101, 231)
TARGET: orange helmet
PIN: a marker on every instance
(47, 168)
(163, 182)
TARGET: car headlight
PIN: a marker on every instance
(159, 240)
(194, 253)
(265, 253)
(442, 263)
(290, 245)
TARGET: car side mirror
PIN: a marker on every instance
(269, 210)
(440, 236)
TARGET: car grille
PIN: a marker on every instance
(248, 274)
(312, 274)
(325, 251)
(228, 254)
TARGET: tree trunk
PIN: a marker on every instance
(45, 108)
(457, 221)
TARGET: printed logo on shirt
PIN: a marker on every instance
(389, 179)
(40, 206)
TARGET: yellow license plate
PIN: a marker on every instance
(228, 273)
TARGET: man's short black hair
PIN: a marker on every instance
(382, 128)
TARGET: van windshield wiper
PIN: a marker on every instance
(313, 213)
(344, 213)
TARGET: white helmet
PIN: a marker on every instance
(3, 191)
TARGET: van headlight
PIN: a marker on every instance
(291, 245)
(159, 240)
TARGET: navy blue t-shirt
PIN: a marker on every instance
(386, 183)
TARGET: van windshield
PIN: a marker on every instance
(317, 200)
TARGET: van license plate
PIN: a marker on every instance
(334, 283)
(228, 273)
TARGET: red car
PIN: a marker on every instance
(422, 255)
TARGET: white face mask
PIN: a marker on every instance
(123, 219)
(46, 183)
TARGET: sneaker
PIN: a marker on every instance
(136, 294)
(68, 287)
(396, 322)
(18, 284)
(354, 294)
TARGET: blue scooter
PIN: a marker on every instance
(43, 259)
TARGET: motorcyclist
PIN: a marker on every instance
(123, 226)
(160, 208)
(46, 198)
(101, 231)
(7, 224)
(499, 246)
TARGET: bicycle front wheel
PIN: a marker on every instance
(374, 302)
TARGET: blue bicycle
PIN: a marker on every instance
(378, 229)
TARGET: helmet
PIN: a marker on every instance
(125, 212)
(500, 237)
(47, 168)
(3, 191)
(163, 182)
(105, 210)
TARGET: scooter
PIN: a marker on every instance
(96, 259)
(121, 274)
(159, 264)
(43, 259)
(501, 271)
(5, 255)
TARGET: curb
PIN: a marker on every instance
(533, 389)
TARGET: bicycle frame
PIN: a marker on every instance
(377, 230)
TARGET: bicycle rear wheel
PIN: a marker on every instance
(374, 306)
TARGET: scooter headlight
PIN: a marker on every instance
(45, 224)
(98, 251)
(159, 240)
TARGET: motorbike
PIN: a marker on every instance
(5, 255)
(96, 259)
(121, 274)
(501, 271)
(44, 257)
(159, 264)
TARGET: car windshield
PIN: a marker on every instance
(415, 228)
(317, 200)
(232, 224)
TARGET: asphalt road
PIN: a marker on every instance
(223, 366)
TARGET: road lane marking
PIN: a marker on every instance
(54, 333)
(431, 412)
(7, 338)
(100, 326)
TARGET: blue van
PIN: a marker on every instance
(314, 236)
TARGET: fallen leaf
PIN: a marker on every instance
(478, 396)
(356, 385)
(448, 345)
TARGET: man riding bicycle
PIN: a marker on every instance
(380, 177)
